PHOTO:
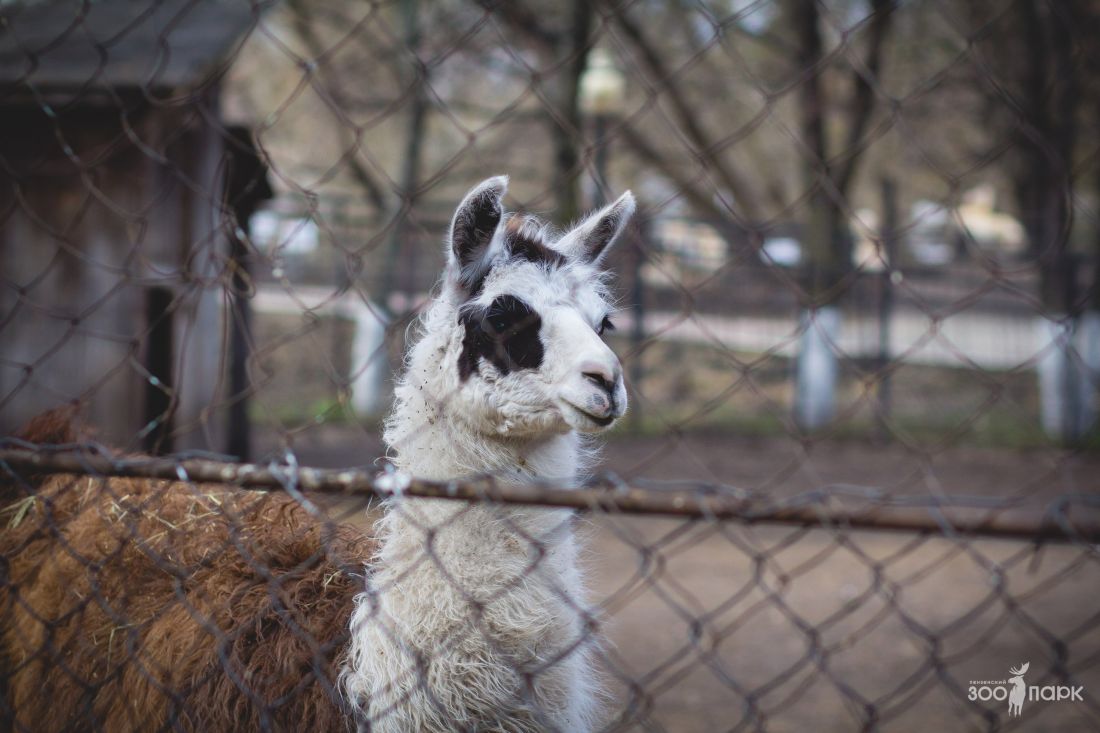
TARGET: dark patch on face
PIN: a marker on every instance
(522, 245)
(532, 250)
(506, 334)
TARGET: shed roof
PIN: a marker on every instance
(58, 45)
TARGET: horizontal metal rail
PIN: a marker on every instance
(947, 516)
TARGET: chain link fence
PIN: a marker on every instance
(856, 314)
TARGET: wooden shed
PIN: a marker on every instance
(116, 218)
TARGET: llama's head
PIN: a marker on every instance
(530, 310)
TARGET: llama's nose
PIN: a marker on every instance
(602, 375)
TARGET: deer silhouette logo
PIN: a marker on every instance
(1019, 689)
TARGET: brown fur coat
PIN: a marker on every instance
(133, 604)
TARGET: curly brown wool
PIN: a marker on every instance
(133, 604)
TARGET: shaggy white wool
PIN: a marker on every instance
(474, 616)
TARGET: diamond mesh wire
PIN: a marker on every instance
(857, 318)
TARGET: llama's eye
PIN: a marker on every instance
(605, 325)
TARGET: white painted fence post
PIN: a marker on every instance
(1088, 347)
(368, 362)
(1068, 370)
(817, 368)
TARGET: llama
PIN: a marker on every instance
(134, 604)
(131, 604)
(509, 372)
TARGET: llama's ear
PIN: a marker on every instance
(475, 222)
(590, 241)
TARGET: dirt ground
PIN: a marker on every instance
(722, 626)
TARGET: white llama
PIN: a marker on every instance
(474, 616)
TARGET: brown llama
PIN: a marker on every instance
(113, 617)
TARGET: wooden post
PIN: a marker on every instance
(888, 235)
(246, 186)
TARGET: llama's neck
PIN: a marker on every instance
(432, 444)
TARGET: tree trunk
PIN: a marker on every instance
(410, 169)
(816, 368)
(1045, 190)
(1088, 328)
(567, 130)
(564, 118)
(825, 236)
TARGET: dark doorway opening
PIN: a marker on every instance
(159, 357)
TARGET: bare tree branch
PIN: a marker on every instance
(521, 19)
(864, 97)
(565, 130)
(304, 27)
(698, 196)
(565, 118)
(687, 115)
(812, 96)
